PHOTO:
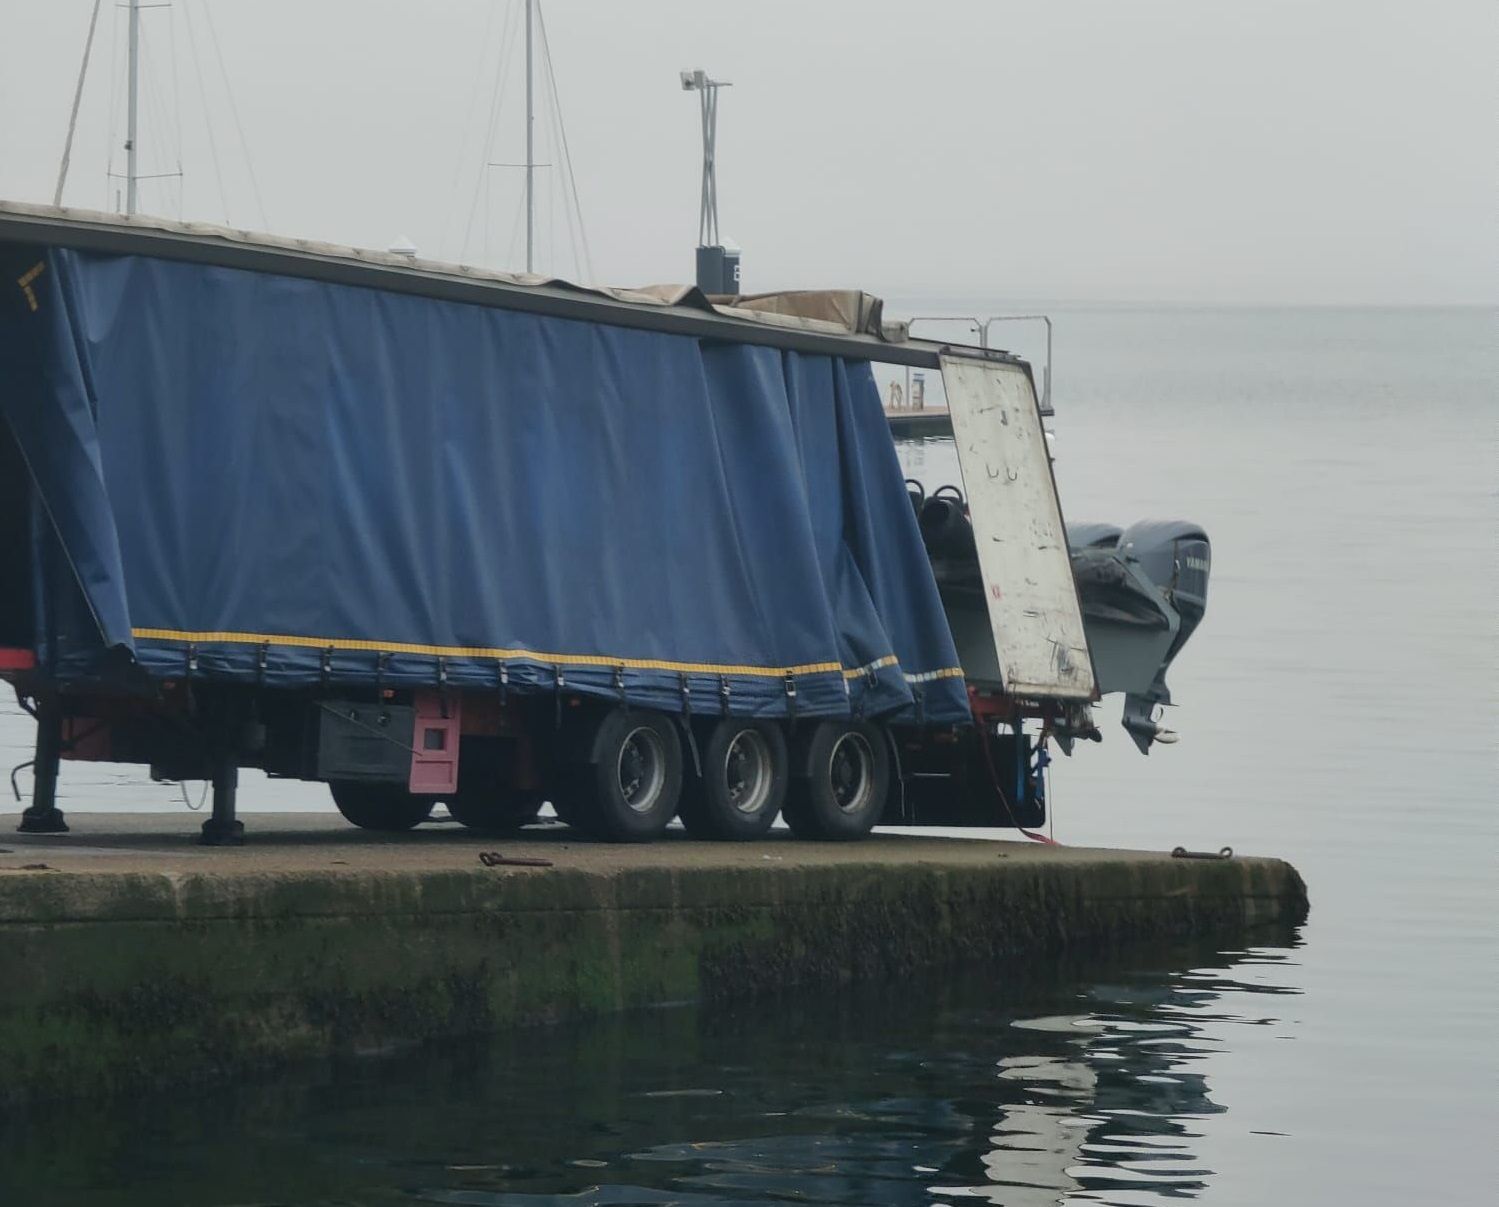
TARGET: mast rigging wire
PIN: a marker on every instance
(468, 121)
(567, 215)
(517, 229)
(156, 111)
(176, 101)
(234, 112)
(213, 146)
(67, 146)
(567, 159)
(501, 67)
(114, 104)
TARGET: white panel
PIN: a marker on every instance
(1017, 520)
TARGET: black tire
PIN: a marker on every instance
(485, 799)
(497, 811)
(745, 772)
(840, 779)
(563, 806)
(626, 782)
(377, 806)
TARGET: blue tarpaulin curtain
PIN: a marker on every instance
(304, 481)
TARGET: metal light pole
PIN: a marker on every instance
(717, 270)
(707, 90)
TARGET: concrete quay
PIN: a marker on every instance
(132, 959)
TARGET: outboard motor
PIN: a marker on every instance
(1143, 591)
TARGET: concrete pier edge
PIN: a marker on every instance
(113, 981)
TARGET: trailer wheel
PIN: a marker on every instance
(628, 782)
(380, 806)
(564, 805)
(841, 777)
(745, 769)
(496, 810)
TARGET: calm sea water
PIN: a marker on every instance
(1337, 707)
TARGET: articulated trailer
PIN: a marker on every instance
(437, 535)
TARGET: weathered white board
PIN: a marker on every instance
(1022, 543)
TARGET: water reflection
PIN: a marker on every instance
(1086, 1086)
(1110, 1095)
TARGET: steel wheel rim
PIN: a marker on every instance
(640, 770)
(747, 772)
(851, 772)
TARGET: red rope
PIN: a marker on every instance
(1003, 799)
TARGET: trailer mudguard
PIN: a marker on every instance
(262, 478)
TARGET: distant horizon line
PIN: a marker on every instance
(1081, 303)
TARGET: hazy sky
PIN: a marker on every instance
(1183, 150)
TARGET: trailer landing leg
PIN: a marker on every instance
(223, 829)
(44, 817)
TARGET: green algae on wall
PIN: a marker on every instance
(117, 982)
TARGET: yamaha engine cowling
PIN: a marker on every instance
(1143, 591)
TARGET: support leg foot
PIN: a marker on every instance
(223, 829)
(45, 821)
(223, 834)
(44, 817)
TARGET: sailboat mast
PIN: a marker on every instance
(132, 95)
(530, 147)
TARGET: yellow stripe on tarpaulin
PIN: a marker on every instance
(494, 655)
(480, 652)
